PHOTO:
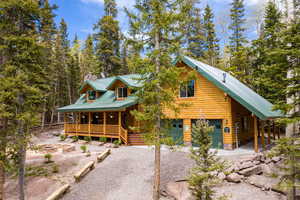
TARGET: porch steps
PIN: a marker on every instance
(135, 139)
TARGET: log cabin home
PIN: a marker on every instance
(238, 114)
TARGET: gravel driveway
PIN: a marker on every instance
(127, 174)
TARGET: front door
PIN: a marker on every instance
(216, 135)
(176, 131)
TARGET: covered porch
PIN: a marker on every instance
(97, 124)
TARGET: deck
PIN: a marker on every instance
(97, 130)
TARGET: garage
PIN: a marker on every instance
(217, 134)
(175, 129)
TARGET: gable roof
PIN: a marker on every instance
(255, 103)
(103, 84)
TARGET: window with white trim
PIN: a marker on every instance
(122, 92)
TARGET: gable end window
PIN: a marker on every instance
(122, 92)
(91, 95)
(188, 90)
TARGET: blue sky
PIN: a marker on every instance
(81, 15)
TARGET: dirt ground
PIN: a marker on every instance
(126, 174)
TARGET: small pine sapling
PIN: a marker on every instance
(103, 139)
(204, 176)
(48, 157)
(88, 138)
(75, 138)
(63, 137)
(55, 169)
(83, 148)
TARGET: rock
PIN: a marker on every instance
(94, 143)
(263, 182)
(244, 165)
(221, 176)
(230, 169)
(251, 171)
(115, 146)
(268, 169)
(56, 133)
(68, 148)
(256, 162)
(259, 156)
(101, 143)
(249, 158)
(268, 160)
(69, 140)
(276, 159)
(109, 145)
(82, 142)
(234, 178)
(178, 190)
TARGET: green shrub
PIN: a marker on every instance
(75, 138)
(117, 142)
(87, 138)
(103, 139)
(48, 157)
(63, 137)
(55, 169)
(83, 148)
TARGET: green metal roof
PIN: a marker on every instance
(106, 102)
(234, 88)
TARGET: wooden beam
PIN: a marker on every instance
(262, 135)
(269, 132)
(104, 123)
(65, 122)
(255, 135)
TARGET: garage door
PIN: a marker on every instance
(217, 135)
(175, 127)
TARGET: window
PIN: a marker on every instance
(91, 95)
(122, 92)
(188, 90)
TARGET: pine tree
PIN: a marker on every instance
(287, 57)
(89, 63)
(268, 77)
(211, 46)
(74, 69)
(195, 33)
(239, 59)
(22, 75)
(237, 13)
(107, 38)
(204, 176)
(160, 22)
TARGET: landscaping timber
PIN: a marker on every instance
(59, 193)
(87, 168)
(103, 155)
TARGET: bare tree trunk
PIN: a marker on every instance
(156, 186)
(3, 143)
(21, 148)
(43, 116)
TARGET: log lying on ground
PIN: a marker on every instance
(103, 155)
(59, 193)
(88, 167)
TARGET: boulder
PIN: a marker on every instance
(244, 165)
(101, 143)
(251, 171)
(234, 178)
(263, 182)
(179, 190)
(222, 176)
(82, 142)
(56, 133)
(68, 148)
(268, 169)
(256, 162)
(94, 143)
(276, 159)
(268, 160)
(109, 145)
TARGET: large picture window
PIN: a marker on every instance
(122, 92)
(188, 90)
(92, 95)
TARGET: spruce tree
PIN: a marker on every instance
(267, 74)
(237, 38)
(160, 22)
(22, 76)
(107, 39)
(89, 63)
(211, 46)
(238, 63)
(74, 69)
(204, 176)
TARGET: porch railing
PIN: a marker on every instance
(97, 130)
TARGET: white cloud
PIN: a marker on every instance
(120, 3)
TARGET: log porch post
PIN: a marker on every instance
(269, 132)
(119, 123)
(104, 123)
(90, 116)
(262, 135)
(65, 123)
(255, 135)
(278, 131)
